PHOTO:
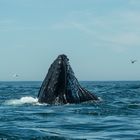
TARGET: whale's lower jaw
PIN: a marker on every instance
(72, 93)
(63, 100)
(68, 98)
(60, 86)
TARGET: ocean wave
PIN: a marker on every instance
(22, 100)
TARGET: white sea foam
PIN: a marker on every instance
(22, 100)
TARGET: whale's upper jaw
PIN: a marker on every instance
(55, 82)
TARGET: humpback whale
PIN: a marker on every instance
(60, 85)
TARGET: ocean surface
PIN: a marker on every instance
(115, 117)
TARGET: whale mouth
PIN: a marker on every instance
(61, 86)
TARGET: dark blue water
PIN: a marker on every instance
(116, 117)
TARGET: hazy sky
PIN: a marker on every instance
(100, 37)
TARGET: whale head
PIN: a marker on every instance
(60, 85)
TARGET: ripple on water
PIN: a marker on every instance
(116, 117)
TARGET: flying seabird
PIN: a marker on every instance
(133, 61)
(15, 75)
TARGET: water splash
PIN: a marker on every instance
(22, 100)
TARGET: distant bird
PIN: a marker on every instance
(133, 61)
(15, 75)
